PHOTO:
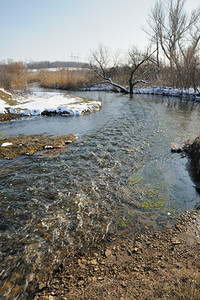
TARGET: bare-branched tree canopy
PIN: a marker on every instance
(135, 70)
(176, 36)
(173, 30)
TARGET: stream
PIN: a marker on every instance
(118, 176)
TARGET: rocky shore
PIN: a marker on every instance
(152, 265)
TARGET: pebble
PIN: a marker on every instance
(129, 252)
(175, 241)
(94, 261)
(81, 282)
(176, 149)
(123, 284)
(179, 226)
(108, 253)
(135, 249)
(41, 286)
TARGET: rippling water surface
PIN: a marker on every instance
(119, 175)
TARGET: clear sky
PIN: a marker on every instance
(55, 29)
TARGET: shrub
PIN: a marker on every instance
(13, 75)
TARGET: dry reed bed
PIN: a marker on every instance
(65, 79)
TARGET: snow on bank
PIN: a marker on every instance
(5, 92)
(50, 103)
(154, 90)
(168, 91)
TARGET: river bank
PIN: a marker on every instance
(194, 166)
(120, 177)
(45, 103)
(14, 106)
(188, 94)
(153, 265)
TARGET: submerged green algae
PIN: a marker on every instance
(149, 190)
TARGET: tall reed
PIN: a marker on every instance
(65, 79)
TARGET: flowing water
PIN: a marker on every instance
(118, 176)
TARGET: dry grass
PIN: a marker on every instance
(28, 145)
(32, 77)
(13, 76)
(65, 79)
(183, 285)
(16, 76)
(186, 286)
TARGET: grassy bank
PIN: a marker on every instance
(11, 148)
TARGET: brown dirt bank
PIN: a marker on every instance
(193, 152)
(153, 265)
(29, 144)
(9, 116)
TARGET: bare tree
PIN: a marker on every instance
(135, 69)
(189, 70)
(140, 65)
(171, 28)
(103, 66)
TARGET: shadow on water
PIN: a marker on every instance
(118, 176)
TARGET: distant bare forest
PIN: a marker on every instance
(56, 64)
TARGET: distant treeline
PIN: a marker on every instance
(56, 64)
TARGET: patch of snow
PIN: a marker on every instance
(52, 102)
(5, 92)
(2, 106)
(6, 144)
(168, 91)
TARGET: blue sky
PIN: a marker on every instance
(53, 30)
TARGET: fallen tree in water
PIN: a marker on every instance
(137, 69)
